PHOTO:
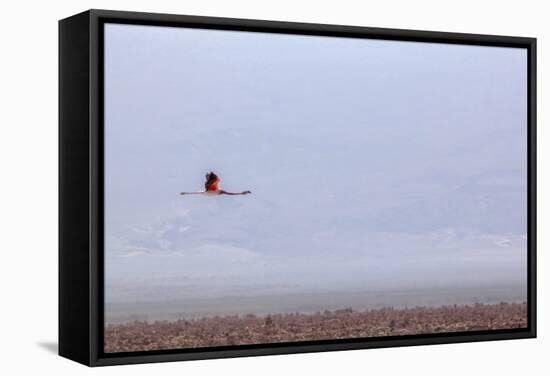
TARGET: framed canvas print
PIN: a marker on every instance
(235, 187)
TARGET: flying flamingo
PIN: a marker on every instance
(211, 187)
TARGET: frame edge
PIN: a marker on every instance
(74, 248)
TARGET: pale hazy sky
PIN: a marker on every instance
(370, 162)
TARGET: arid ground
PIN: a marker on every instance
(345, 323)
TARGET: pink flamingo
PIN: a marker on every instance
(211, 187)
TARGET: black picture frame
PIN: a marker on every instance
(81, 183)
